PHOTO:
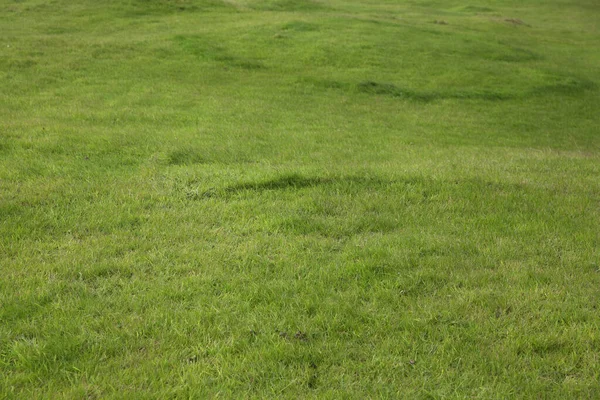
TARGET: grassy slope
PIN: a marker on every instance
(299, 199)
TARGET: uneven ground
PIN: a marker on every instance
(295, 198)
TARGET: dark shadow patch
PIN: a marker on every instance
(22, 64)
(385, 21)
(516, 54)
(565, 86)
(60, 30)
(287, 182)
(515, 21)
(419, 190)
(198, 46)
(290, 5)
(203, 48)
(25, 307)
(544, 346)
(378, 20)
(476, 95)
(313, 376)
(300, 26)
(291, 181)
(562, 85)
(140, 8)
(477, 9)
(389, 89)
(185, 157)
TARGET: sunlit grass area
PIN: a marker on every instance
(299, 199)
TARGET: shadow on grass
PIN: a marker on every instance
(426, 187)
(185, 157)
(290, 5)
(339, 208)
(560, 85)
(291, 181)
(203, 48)
(143, 8)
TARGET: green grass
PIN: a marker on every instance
(299, 199)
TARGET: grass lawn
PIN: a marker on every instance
(299, 199)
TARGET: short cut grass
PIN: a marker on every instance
(299, 199)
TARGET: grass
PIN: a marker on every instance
(299, 199)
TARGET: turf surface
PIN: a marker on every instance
(299, 199)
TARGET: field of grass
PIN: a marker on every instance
(299, 199)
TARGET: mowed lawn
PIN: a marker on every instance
(299, 199)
